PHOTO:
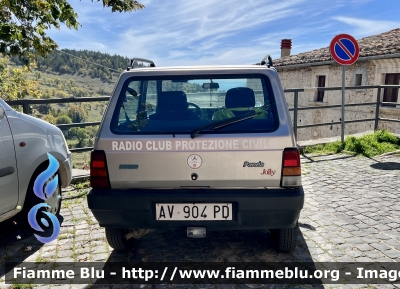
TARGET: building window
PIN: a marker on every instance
(391, 94)
(321, 83)
(358, 80)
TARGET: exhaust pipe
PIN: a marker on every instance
(137, 233)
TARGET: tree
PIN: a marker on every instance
(63, 119)
(14, 82)
(77, 113)
(24, 23)
(43, 108)
(49, 118)
(80, 134)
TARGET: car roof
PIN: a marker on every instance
(197, 68)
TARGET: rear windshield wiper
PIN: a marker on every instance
(224, 122)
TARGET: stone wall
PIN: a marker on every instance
(373, 73)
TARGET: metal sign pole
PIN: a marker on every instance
(345, 51)
(343, 100)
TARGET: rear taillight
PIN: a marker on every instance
(291, 169)
(98, 170)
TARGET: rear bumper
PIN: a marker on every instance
(252, 209)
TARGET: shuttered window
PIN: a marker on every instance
(321, 83)
(391, 94)
(358, 80)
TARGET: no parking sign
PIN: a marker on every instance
(344, 49)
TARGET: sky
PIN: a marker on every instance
(225, 32)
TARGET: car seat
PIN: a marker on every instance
(238, 101)
(171, 105)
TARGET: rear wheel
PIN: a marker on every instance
(116, 238)
(285, 239)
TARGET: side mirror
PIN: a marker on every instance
(2, 112)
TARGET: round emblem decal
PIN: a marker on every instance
(194, 161)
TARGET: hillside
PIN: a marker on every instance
(73, 73)
(82, 63)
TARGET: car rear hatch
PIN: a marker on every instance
(218, 131)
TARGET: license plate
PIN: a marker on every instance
(194, 212)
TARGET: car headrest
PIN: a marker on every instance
(240, 97)
(170, 101)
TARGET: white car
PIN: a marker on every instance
(25, 142)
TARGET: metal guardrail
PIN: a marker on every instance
(377, 104)
(25, 103)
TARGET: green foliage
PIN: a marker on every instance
(385, 136)
(24, 23)
(81, 134)
(14, 82)
(63, 119)
(76, 113)
(50, 118)
(335, 147)
(60, 94)
(83, 185)
(73, 62)
(43, 108)
(375, 144)
(369, 145)
(92, 131)
(79, 92)
(65, 69)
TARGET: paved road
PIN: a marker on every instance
(352, 213)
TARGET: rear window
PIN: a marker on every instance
(179, 105)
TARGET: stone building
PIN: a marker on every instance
(378, 63)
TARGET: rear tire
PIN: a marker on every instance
(285, 239)
(116, 238)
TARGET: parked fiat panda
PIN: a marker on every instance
(197, 148)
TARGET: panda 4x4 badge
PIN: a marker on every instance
(194, 161)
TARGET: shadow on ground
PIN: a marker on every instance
(224, 247)
(17, 242)
(317, 158)
(386, 166)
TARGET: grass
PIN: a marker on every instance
(21, 286)
(75, 256)
(369, 145)
(66, 204)
(40, 259)
(75, 220)
(83, 185)
(62, 237)
(79, 159)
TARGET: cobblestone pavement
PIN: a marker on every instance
(352, 213)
